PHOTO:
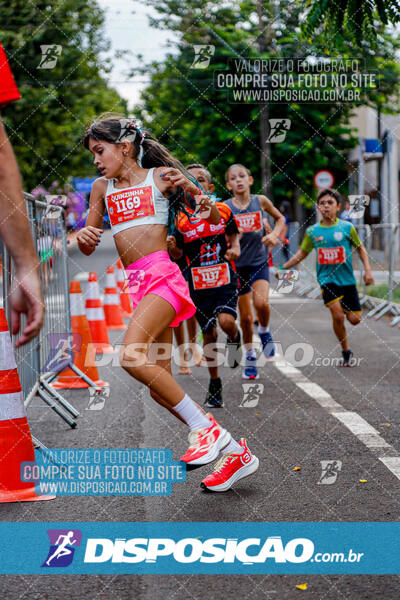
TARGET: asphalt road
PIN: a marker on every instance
(293, 425)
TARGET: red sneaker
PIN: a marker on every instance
(230, 468)
(205, 444)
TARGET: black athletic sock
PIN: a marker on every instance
(346, 354)
(215, 383)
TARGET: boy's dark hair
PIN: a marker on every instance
(329, 192)
(236, 165)
(203, 168)
(107, 128)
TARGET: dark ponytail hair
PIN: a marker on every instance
(107, 127)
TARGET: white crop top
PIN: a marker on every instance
(141, 204)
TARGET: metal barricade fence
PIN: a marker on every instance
(307, 284)
(49, 236)
(380, 307)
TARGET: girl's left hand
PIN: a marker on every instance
(270, 240)
(178, 179)
(204, 205)
(171, 242)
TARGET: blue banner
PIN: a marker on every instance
(83, 184)
(200, 548)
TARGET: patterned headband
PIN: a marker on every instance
(129, 128)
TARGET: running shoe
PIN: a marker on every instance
(268, 345)
(347, 360)
(214, 394)
(235, 353)
(230, 468)
(205, 444)
(250, 369)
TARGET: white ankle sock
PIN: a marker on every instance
(233, 446)
(251, 353)
(262, 329)
(191, 414)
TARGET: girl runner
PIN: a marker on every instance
(252, 264)
(142, 188)
(212, 281)
(333, 240)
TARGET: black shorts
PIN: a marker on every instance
(347, 294)
(211, 303)
(248, 275)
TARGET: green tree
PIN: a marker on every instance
(362, 19)
(46, 125)
(183, 108)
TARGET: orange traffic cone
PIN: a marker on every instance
(15, 437)
(84, 358)
(95, 316)
(123, 294)
(112, 307)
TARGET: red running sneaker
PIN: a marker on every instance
(205, 444)
(230, 468)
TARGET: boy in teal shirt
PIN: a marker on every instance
(333, 240)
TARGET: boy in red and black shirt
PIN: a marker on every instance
(209, 251)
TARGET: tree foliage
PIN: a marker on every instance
(195, 120)
(46, 125)
(362, 19)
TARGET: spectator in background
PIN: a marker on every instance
(72, 219)
(345, 214)
(25, 294)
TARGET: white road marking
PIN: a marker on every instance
(314, 390)
(363, 431)
(288, 369)
(392, 463)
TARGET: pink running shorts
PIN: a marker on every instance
(157, 274)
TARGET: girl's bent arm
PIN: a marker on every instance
(267, 205)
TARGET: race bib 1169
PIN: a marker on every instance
(130, 204)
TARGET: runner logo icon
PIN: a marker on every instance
(278, 130)
(62, 550)
(251, 394)
(97, 398)
(330, 471)
(358, 203)
(203, 54)
(50, 54)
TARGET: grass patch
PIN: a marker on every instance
(381, 290)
